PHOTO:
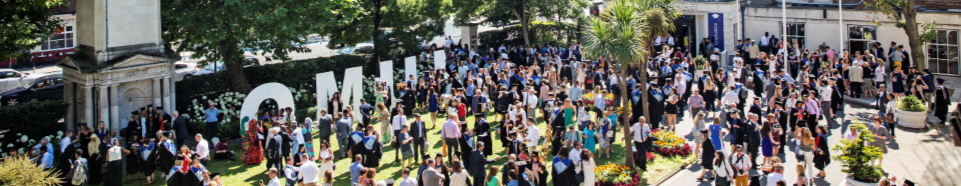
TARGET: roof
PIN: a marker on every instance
(88, 64)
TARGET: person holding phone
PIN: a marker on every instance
(272, 174)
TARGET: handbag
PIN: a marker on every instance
(444, 149)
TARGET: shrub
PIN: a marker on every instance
(667, 139)
(674, 151)
(855, 155)
(700, 62)
(912, 104)
(21, 170)
(616, 175)
(33, 121)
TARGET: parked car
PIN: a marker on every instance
(355, 49)
(10, 79)
(218, 66)
(184, 70)
(49, 87)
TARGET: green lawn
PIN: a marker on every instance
(237, 173)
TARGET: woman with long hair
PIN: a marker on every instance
(326, 156)
(822, 152)
(328, 178)
(767, 139)
(806, 147)
(699, 127)
(384, 115)
(710, 95)
(587, 167)
(670, 109)
(708, 147)
(723, 172)
(114, 157)
(459, 177)
(432, 106)
(96, 150)
(590, 137)
(492, 179)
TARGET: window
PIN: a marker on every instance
(795, 31)
(943, 52)
(63, 38)
(861, 37)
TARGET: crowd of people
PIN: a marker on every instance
(794, 89)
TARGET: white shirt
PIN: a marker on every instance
(670, 41)
(398, 122)
(743, 164)
(309, 172)
(533, 135)
(730, 97)
(657, 41)
(202, 149)
(64, 143)
(764, 41)
(640, 132)
(773, 178)
(408, 181)
(531, 100)
(879, 74)
(274, 182)
(826, 93)
(575, 155)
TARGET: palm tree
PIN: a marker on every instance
(624, 32)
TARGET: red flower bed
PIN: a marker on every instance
(674, 151)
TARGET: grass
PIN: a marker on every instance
(237, 173)
(662, 165)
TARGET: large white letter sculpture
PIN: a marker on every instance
(353, 88)
(440, 60)
(276, 91)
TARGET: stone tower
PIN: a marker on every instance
(120, 63)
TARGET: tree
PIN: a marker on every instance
(219, 29)
(622, 32)
(494, 11)
(24, 24)
(411, 21)
(906, 18)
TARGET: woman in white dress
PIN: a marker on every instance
(326, 157)
(587, 165)
(459, 177)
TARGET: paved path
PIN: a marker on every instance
(924, 156)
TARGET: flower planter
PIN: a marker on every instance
(851, 182)
(911, 119)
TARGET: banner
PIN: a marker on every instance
(715, 29)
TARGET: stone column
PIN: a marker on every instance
(173, 94)
(114, 107)
(104, 105)
(156, 92)
(88, 104)
(166, 94)
(70, 100)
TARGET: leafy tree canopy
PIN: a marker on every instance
(24, 23)
(411, 22)
(219, 29)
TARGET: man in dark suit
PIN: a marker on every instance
(418, 131)
(753, 133)
(285, 143)
(325, 125)
(367, 111)
(479, 163)
(180, 128)
(274, 149)
(882, 100)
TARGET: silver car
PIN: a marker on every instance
(10, 79)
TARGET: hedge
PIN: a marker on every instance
(298, 74)
(33, 119)
(540, 32)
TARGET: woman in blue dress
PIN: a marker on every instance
(590, 137)
(767, 139)
(432, 106)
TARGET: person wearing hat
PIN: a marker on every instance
(941, 101)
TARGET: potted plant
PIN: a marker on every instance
(855, 156)
(699, 64)
(911, 112)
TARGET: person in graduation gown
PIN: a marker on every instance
(539, 170)
(442, 167)
(97, 158)
(563, 169)
(355, 140)
(84, 139)
(466, 146)
(149, 152)
(483, 131)
(371, 148)
(941, 101)
(67, 156)
(133, 159)
(166, 153)
(655, 105)
(822, 152)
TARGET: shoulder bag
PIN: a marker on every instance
(580, 175)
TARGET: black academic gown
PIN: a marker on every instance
(941, 103)
(133, 159)
(483, 132)
(95, 173)
(565, 177)
(372, 154)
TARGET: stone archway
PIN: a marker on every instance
(132, 99)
